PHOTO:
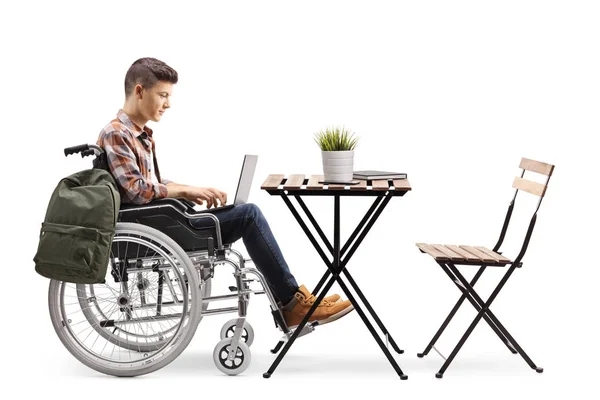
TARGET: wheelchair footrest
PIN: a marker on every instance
(308, 328)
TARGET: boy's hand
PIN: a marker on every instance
(211, 196)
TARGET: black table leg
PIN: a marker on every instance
(338, 266)
(297, 332)
(374, 211)
(319, 298)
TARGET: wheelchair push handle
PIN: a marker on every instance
(84, 149)
(76, 149)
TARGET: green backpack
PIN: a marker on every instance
(77, 232)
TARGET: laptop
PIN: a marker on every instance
(244, 184)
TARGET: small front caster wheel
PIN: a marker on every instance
(403, 377)
(439, 376)
(420, 355)
(539, 370)
(228, 330)
(240, 361)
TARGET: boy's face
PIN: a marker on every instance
(153, 102)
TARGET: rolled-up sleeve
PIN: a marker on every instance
(122, 163)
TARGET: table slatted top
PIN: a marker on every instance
(302, 183)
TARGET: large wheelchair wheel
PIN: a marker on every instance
(142, 317)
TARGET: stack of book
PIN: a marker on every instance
(375, 175)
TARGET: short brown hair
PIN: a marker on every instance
(146, 72)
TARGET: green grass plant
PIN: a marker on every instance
(336, 138)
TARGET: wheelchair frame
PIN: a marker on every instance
(170, 217)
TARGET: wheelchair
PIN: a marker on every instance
(157, 290)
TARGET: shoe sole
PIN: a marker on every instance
(337, 316)
(325, 321)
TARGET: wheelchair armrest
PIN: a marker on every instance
(182, 205)
(189, 204)
(172, 217)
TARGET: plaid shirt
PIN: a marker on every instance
(131, 155)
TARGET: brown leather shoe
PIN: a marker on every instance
(333, 298)
(326, 312)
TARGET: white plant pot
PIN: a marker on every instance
(338, 166)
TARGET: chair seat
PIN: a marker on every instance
(464, 254)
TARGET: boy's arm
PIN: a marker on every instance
(175, 189)
(123, 166)
(199, 195)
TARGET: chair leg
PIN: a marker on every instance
(477, 304)
(487, 311)
(455, 309)
(462, 341)
(444, 325)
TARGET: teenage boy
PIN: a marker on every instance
(132, 160)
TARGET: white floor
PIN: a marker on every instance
(337, 360)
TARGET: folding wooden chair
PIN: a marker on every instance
(448, 257)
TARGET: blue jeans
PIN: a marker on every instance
(247, 222)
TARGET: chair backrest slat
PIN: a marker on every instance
(536, 166)
(529, 186)
(538, 189)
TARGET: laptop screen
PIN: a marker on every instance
(245, 182)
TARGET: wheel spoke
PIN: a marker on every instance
(115, 325)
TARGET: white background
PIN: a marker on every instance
(452, 92)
